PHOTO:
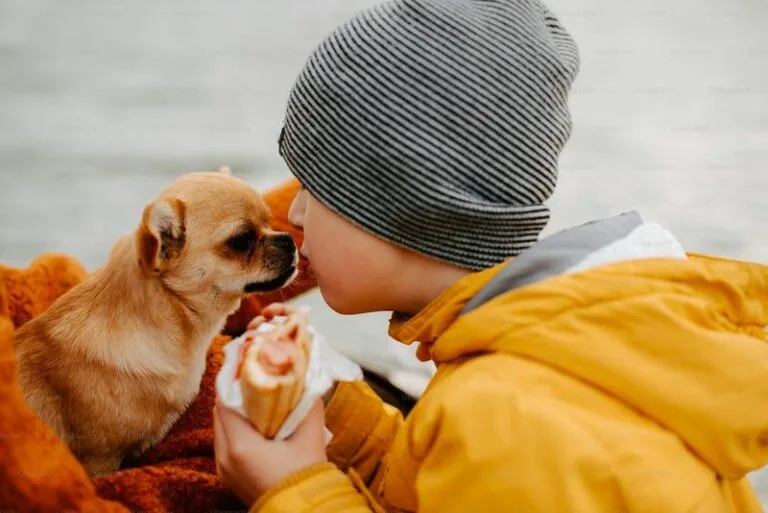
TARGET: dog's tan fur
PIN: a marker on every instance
(115, 361)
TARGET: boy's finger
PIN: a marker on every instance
(270, 310)
(276, 309)
(256, 322)
(219, 437)
(227, 422)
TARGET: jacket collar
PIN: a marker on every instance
(437, 317)
(595, 243)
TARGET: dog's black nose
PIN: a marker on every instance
(284, 242)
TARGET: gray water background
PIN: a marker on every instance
(102, 103)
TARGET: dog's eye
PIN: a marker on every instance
(242, 242)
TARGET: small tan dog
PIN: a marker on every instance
(116, 360)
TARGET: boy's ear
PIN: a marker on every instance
(162, 234)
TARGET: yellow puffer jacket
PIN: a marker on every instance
(636, 386)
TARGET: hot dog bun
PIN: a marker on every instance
(272, 371)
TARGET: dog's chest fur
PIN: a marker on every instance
(173, 375)
(181, 390)
(190, 384)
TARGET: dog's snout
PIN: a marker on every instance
(284, 242)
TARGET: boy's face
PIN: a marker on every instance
(354, 269)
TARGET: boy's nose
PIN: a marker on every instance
(298, 207)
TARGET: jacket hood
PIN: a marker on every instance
(617, 303)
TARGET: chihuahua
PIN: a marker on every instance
(114, 362)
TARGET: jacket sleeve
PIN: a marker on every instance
(363, 428)
(322, 488)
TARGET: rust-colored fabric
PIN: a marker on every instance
(37, 471)
(25, 293)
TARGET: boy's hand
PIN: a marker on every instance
(269, 313)
(249, 464)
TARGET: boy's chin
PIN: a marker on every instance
(342, 308)
(341, 304)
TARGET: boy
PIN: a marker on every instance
(598, 370)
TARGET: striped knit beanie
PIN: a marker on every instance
(437, 124)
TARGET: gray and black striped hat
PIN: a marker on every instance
(437, 124)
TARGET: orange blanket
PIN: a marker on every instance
(37, 471)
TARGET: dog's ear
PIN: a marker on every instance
(225, 170)
(161, 236)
